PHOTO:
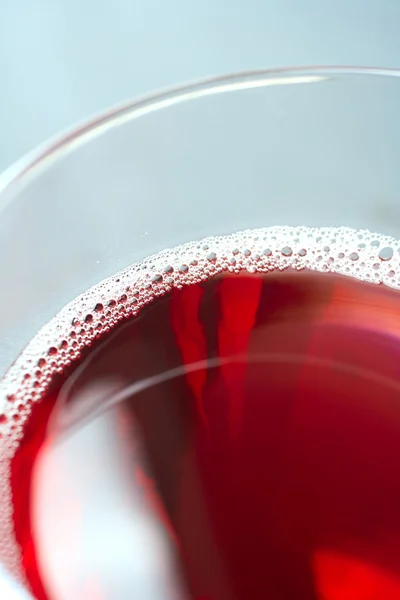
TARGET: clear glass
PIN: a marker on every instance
(309, 146)
(314, 146)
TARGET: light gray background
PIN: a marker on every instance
(60, 61)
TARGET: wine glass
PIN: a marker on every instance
(313, 147)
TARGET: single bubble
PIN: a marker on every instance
(99, 307)
(41, 362)
(184, 268)
(302, 252)
(375, 243)
(123, 298)
(267, 251)
(88, 319)
(287, 251)
(112, 303)
(11, 397)
(385, 253)
(168, 269)
(3, 419)
(247, 252)
(353, 256)
(212, 257)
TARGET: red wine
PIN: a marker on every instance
(253, 384)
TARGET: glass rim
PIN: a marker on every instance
(21, 172)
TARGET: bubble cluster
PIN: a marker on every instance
(361, 254)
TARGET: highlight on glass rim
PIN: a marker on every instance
(200, 346)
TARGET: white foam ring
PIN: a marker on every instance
(360, 254)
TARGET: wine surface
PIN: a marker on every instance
(254, 386)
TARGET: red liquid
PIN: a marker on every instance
(275, 475)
